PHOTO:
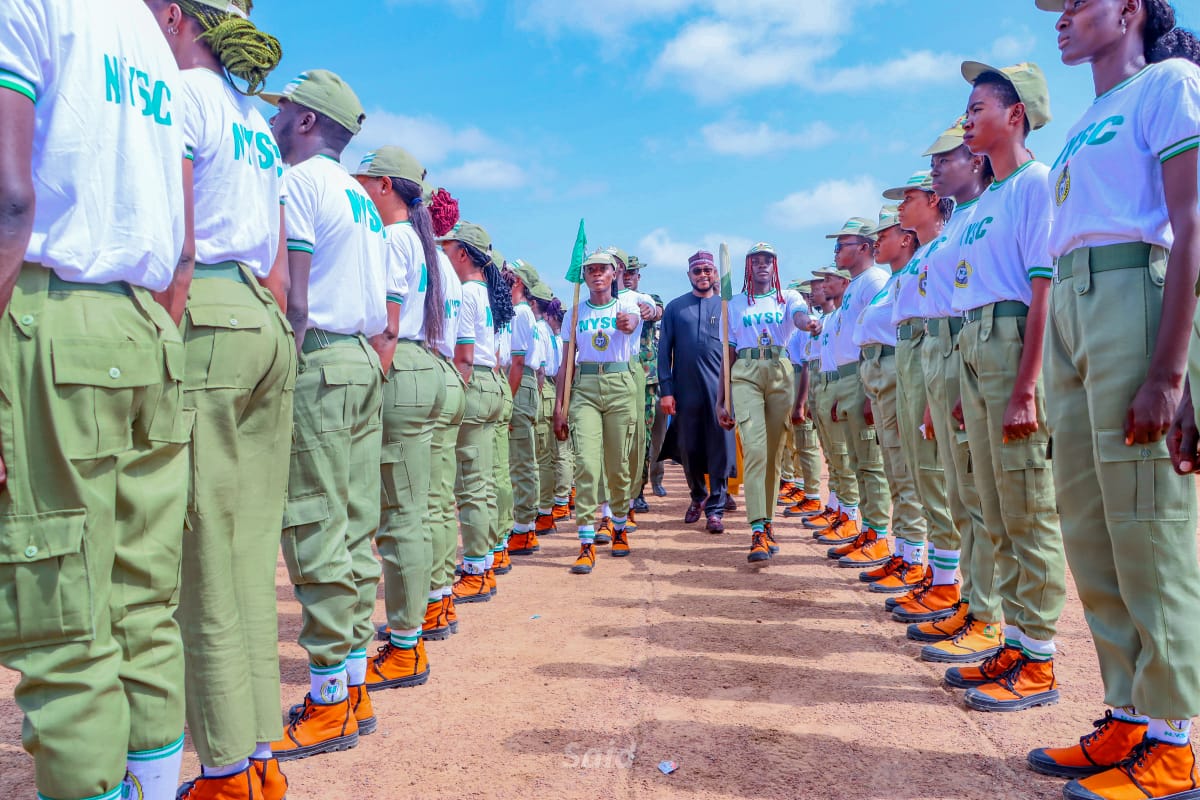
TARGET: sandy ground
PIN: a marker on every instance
(786, 682)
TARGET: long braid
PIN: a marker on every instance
(418, 214)
(1163, 39)
(747, 284)
(243, 50)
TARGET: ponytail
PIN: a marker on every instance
(443, 209)
(418, 215)
(499, 294)
(1163, 39)
(243, 50)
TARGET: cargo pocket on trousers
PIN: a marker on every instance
(45, 586)
(396, 484)
(335, 394)
(414, 388)
(312, 553)
(1028, 486)
(98, 385)
(215, 351)
(1139, 482)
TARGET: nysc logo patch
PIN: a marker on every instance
(1062, 189)
(923, 282)
(601, 341)
(765, 340)
(962, 275)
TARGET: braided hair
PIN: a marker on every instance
(549, 309)
(243, 50)
(418, 215)
(1163, 39)
(748, 283)
(443, 209)
(499, 294)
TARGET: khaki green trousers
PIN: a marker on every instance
(442, 519)
(862, 450)
(787, 456)
(920, 453)
(1128, 521)
(603, 422)
(413, 395)
(502, 517)
(806, 443)
(239, 380)
(564, 469)
(878, 373)
(942, 363)
(762, 405)
(1016, 489)
(819, 405)
(523, 455)
(475, 449)
(546, 446)
(637, 463)
(333, 498)
(94, 437)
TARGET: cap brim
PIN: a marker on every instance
(1050, 5)
(973, 69)
(897, 193)
(271, 97)
(944, 144)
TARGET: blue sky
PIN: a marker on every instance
(667, 124)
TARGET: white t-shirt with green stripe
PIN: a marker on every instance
(236, 170)
(407, 279)
(598, 338)
(475, 323)
(327, 213)
(452, 295)
(108, 142)
(1005, 246)
(522, 342)
(1107, 182)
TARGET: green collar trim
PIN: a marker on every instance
(997, 184)
(1123, 84)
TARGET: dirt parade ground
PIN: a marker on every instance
(785, 682)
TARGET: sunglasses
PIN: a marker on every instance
(839, 247)
(702, 270)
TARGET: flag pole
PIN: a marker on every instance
(726, 292)
(575, 276)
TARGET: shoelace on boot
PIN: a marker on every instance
(759, 542)
(381, 655)
(1138, 756)
(964, 632)
(1101, 726)
(621, 537)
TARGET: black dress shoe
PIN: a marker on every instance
(639, 505)
(730, 503)
(659, 491)
(694, 511)
(715, 524)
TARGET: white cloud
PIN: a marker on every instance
(483, 173)
(1014, 47)
(740, 138)
(910, 71)
(828, 204)
(659, 249)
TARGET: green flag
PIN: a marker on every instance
(726, 274)
(575, 273)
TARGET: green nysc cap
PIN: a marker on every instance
(469, 233)
(1029, 81)
(1056, 6)
(237, 8)
(528, 275)
(951, 139)
(762, 247)
(922, 180)
(601, 257)
(621, 259)
(541, 291)
(855, 226)
(832, 272)
(326, 93)
(889, 217)
(393, 162)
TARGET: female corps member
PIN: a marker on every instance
(972, 632)
(601, 417)
(522, 377)
(240, 377)
(1002, 288)
(761, 319)
(1125, 237)
(500, 501)
(440, 617)
(486, 307)
(412, 399)
(546, 307)
(564, 454)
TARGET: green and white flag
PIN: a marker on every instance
(726, 276)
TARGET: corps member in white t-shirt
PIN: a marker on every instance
(90, 181)
(761, 320)
(486, 308)
(412, 402)
(1002, 287)
(1125, 235)
(548, 361)
(241, 370)
(522, 378)
(600, 339)
(337, 262)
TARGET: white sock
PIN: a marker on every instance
(1037, 649)
(435, 595)
(1012, 636)
(1171, 731)
(1129, 714)
(816, 497)
(225, 772)
(916, 553)
(523, 527)
(157, 771)
(327, 685)
(544, 512)
(262, 752)
(405, 640)
(124, 790)
(945, 565)
(834, 503)
(489, 561)
(447, 591)
(356, 668)
(851, 512)
(606, 511)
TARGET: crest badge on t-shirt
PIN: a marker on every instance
(765, 339)
(1062, 189)
(962, 275)
(601, 341)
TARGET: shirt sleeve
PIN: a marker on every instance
(24, 49)
(1171, 123)
(299, 198)
(522, 332)
(469, 317)
(795, 303)
(666, 343)
(403, 262)
(192, 114)
(567, 328)
(1037, 208)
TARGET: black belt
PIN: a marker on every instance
(761, 353)
(934, 325)
(869, 351)
(317, 339)
(1132, 255)
(1005, 308)
(604, 367)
